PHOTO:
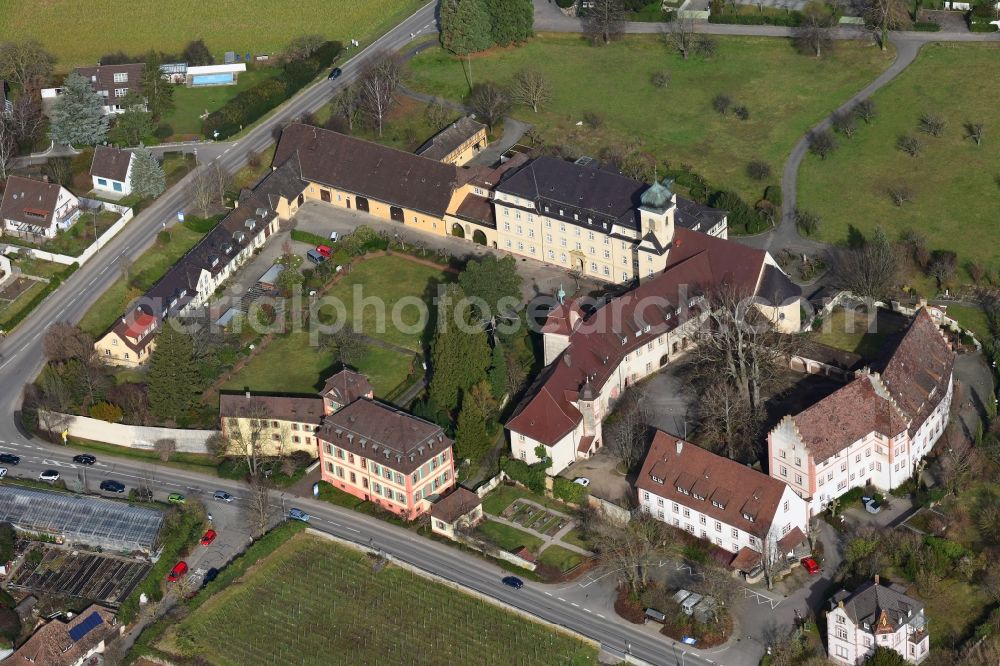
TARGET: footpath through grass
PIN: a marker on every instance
(311, 601)
(786, 93)
(954, 182)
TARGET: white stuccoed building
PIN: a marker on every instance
(876, 615)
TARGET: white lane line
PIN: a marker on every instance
(601, 616)
(560, 599)
(352, 529)
(587, 610)
(576, 605)
(548, 594)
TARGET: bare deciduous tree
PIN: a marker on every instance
(259, 504)
(25, 62)
(881, 16)
(530, 88)
(729, 421)
(221, 179)
(813, 34)
(771, 559)
(680, 35)
(605, 21)
(203, 191)
(869, 271)
(165, 448)
(624, 548)
(347, 103)
(438, 114)
(974, 131)
(378, 89)
(8, 148)
(490, 102)
(821, 143)
(932, 124)
(900, 193)
(843, 123)
(866, 110)
(625, 436)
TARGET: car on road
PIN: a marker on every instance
(871, 504)
(582, 481)
(512, 581)
(176, 498)
(208, 537)
(209, 576)
(810, 565)
(299, 514)
(177, 572)
(335, 73)
(84, 459)
(49, 475)
(315, 257)
(222, 496)
(112, 486)
(325, 250)
(10, 459)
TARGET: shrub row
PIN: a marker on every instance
(924, 26)
(53, 284)
(532, 476)
(982, 27)
(251, 104)
(791, 20)
(306, 237)
(568, 491)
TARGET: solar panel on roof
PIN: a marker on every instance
(89, 623)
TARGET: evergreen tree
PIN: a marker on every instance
(173, 377)
(135, 124)
(77, 116)
(148, 178)
(471, 439)
(497, 283)
(512, 20)
(498, 372)
(465, 26)
(158, 91)
(459, 358)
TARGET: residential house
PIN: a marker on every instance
(380, 454)
(591, 360)
(457, 143)
(875, 430)
(876, 615)
(461, 510)
(111, 170)
(130, 341)
(732, 506)
(73, 642)
(276, 425)
(594, 220)
(34, 209)
(343, 388)
(112, 82)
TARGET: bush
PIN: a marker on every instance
(532, 476)
(306, 237)
(758, 170)
(925, 26)
(660, 79)
(791, 20)
(593, 119)
(982, 27)
(105, 411)
(742, 112)
(163, 131)
(721, 103)
(741, 215)
(773, 194)
(202, 225)
(565, 4)
(568, 491)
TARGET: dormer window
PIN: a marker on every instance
(747, 516)
(251, 224)
(645, 329)
(656, 479)
(624, 340)
(698, 497)
(213, 262)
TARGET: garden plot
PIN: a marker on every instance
(51, 570)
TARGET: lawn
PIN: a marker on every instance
(311, 602)
(506, 537)
(501, 498)
(249, 175)
(144, 271)
(224, 25)
(784, 98)
(290, 364)
(560, 558)
(575, 537)
(973, 318)
(849, 331)
(36, 267)
(9, 310)
(191, 103)
(953, 181)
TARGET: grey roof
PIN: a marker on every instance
(282, 182)
(776, 287)
(90, 520)
(695, 216)
(29, 201)
(110, 163)
(450, 138)
(867, 604)
(271, 276)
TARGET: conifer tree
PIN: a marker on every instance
(77, 116)
(148, 178)
(173, 374)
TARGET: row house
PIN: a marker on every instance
(271, 425)
(732, 506)
(37, 209)
(383, 455)
(873, 616)
(875, 430)
(592, 360)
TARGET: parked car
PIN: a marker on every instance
(299, 514)
(872, 505)
(84, 459)
(112, 486)
(334, 73)
(325, 250)
(810, 565)
(512, 581)
(177, 572)
(690, 602)
(3, 472)
(222, 496)
(334, 236)
(176, 498)
(10, 459)
(209, 576)
(315, 257)
(208, 537)
(582, 481)
(49, 475)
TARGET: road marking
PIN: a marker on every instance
(576, 605)
(548, 594)
(601, 616)
(352, 529)
(587, 610)
(560, 599)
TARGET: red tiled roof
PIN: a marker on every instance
(745, 560)
(584, 445)
(787, 543)
(562, 319)
(132, 326)
(299, 409)
(139, 324)
(347, 386)
(57, 643)
(718, 482)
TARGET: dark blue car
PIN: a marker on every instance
(513, 581)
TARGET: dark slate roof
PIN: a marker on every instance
(102, 78)
(868, 603)
(346, 386)
(110, 163)
(368, 169)
(282, 182)
(477, 209)
(450, 138)
(776, 287)
(695, 216)
(30, 201)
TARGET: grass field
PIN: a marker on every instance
(146, 270)
(973, 318)
(954, 182)
(507, 537)
(314, 602)
(500, 499)
(677, 124)
(850, 332)
(190, 103)
(11, 309)
(560, 558)
(290, 364)
(136, 26)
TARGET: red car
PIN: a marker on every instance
(208, 537)
(810, 565)
(177, 572)
(324, 250)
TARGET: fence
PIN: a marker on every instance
(134, 437)
(126, 214)
(488, 485)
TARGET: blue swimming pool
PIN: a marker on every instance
(213, 79)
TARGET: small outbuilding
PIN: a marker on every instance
(462, 509)
(111, 170)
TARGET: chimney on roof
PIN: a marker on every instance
(840, 604)
(876, 579)
(45, 179)
(680, 446)
(568, 360)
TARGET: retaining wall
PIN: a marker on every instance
(135, 437)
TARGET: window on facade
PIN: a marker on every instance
(687, 512)
(736, 533)
(701, 519)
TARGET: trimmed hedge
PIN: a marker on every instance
(306, 237)
(773, 194)
(925, 26)
(568, 491)
(53, 284)
(791, 20)
(532, 476)
(982, 27)
(249, 105)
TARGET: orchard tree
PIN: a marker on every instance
(530, 88)
(868, 271)
(813, 34)
(881, 16)
(148, 178)
(605, 21)
(77, 116)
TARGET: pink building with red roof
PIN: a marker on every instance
(130, 341)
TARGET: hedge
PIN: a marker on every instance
(202, 225)
(565, 4)
(983, 27)
(568, 491)
(53, 284)
(249, 105)
(791, 20)
(924, 26)
(306, 237)
(532, 476)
